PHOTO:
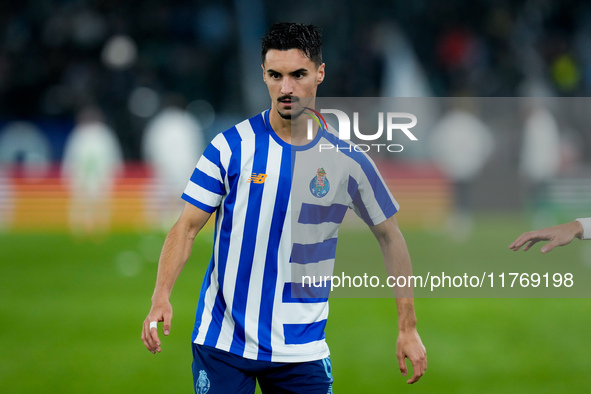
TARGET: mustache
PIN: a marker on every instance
(288, 97)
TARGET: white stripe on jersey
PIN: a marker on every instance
(205, 196)
(225, 154)
(210, 169)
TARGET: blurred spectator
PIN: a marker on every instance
(461, 144)
(25, 148)
(540, 152)
(92, 160)
(24, 151)
(540, 158)
(403, 76)
(172, 144)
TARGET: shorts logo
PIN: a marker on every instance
(257, 178)
(328, 370)
(202, 385)
(319, 186)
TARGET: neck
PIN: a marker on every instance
(292, 131)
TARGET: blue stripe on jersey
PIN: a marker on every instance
(270, 272)
(198, 204)
(213, 154)
(352, 188)
(378, 187)
(297, 334)
(208, 183)
(306, 293)
(249, 238)
(219, 306)
(201, 304)
(316, 214)
(313, 253)
(205, 285)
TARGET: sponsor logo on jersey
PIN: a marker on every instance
(319, 185)
(257, 178)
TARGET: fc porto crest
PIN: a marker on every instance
(319, 185)
(202, 384)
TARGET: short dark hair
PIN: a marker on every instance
(286, 35)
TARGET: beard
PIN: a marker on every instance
(292, 115)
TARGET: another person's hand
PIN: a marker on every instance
(409, 345)
(160, 312)
(560, 235)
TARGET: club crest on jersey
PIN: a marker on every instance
(202, 385)
(319, 185)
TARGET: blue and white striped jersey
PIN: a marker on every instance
(278, 212)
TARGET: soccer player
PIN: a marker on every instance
(92, 161)
(560, 235)
(249, 325)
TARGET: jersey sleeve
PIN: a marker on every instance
(586, 223)
(371, 198)
(206, 187)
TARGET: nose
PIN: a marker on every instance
(286, 86)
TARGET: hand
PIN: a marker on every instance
(409, 346)
(559, 235)
(160, 312)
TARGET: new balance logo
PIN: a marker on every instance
(257, 178)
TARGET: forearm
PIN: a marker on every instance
(397, 262)
(175, 253)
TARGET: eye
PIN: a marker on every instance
(298, 75)
(275, 75)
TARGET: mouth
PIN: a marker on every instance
(287, 101)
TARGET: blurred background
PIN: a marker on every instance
(142, 69)
(105, 107)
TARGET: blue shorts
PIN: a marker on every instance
(219, 372)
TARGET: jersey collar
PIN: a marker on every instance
(284, 144)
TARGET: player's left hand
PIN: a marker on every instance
(409, 345)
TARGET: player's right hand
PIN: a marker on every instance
(560, 235)
(160, 312)
(409, 345)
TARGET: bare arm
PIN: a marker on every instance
(397, 261)
(175, 253)
(560, 235)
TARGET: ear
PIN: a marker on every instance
(264, 73)
(320, 72)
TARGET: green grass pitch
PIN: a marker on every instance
(71, 314)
